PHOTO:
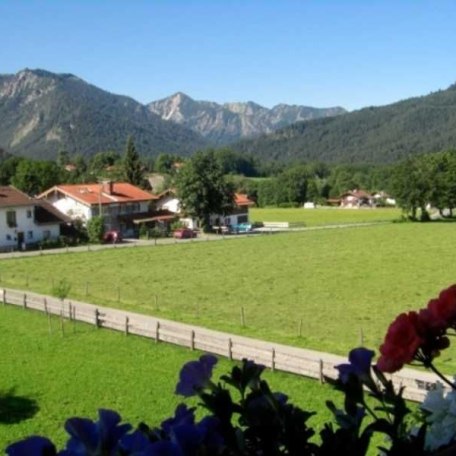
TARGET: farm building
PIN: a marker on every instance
(120, 203)
(169, 201)
(25, 220)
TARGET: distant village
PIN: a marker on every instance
(26, 221)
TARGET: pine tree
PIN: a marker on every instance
(132, 164)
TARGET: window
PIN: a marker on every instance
(242, 219)
(46, 234)
(29, 234)
(8, 237)
(29, 213)
(11, 219)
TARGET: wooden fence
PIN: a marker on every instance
(309, 363)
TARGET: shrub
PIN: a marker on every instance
(95, 229)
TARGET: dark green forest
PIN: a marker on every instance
(373, 135)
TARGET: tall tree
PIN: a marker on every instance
(202, 188)
(35, 176)
(132, 164)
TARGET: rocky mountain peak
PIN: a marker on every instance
(228, 122)
(43, 112)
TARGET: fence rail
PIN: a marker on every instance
(309, 363)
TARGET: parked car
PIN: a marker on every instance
(112, 236)
(184, 233)
(241, 228)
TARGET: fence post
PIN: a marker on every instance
(97, 318)
(192, 340)
(242, 317)
(126, 325)
(61, 323)
(25, 301)
(230, 349)
(4, 297)
(320, 371)
(45, 305)
(273, 360)
(157, 332)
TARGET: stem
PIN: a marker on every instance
(371, 412)
(440, 375)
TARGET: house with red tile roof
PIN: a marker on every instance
(169, 201)
(25, 220)
(356, 198)
(120, 203)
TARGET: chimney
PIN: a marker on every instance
(108, 186)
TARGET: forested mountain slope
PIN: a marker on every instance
(371, 135)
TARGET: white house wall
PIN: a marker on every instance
(231, 219)
(32, 233)
(74, 209)
(169, 203)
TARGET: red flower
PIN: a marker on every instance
(443, 309)
(401, 343)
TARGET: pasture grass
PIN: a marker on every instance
(50, 377)
(324, 215)
(340, 287)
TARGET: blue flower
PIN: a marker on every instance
(195, 375)
(360, 365)
(32, 446)
(136, 443)
(88, 437)
(182, 415)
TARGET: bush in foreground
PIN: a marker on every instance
(244, 417)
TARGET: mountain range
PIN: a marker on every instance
(43, 112)
(224, 124)
(371, 135)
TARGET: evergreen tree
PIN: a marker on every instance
(132, 164)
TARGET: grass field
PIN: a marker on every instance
(340, 286)
(324, 215)
(53, 377)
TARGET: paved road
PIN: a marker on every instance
(129, 243)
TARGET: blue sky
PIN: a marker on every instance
(317, 53)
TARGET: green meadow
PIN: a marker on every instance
(324, 215)
(46, 377)
(328, 290)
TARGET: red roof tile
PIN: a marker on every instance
(91, 194)
(242, 200)
(10, 196)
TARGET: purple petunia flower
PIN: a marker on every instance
(182, 415)
(195, 375)
(32, 446)
(360, 364)
(88, 437)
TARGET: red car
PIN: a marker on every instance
(184, 233)
(112, 236)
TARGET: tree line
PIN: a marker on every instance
(416, 183)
